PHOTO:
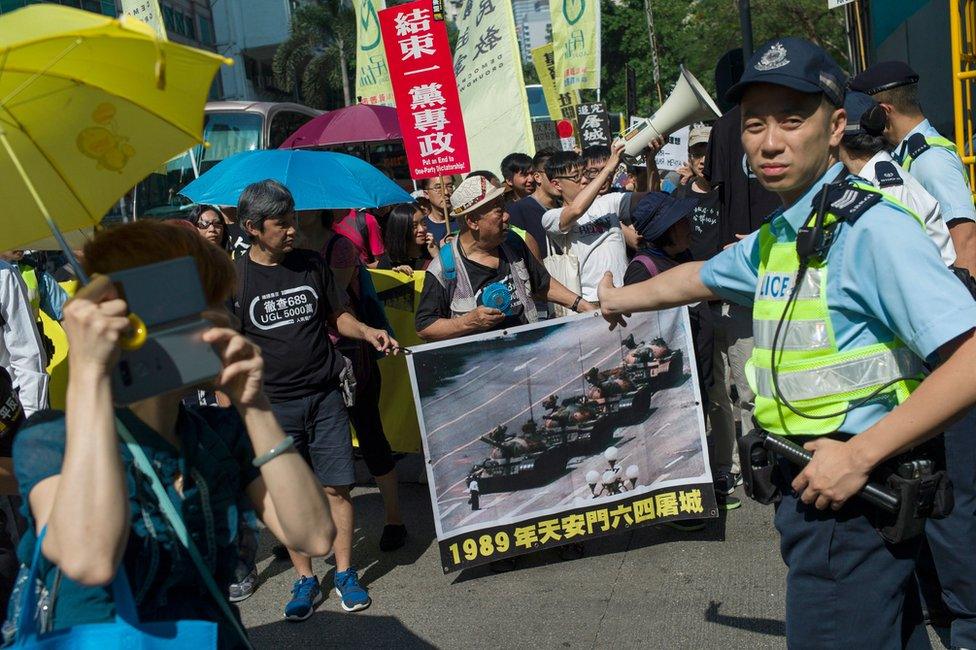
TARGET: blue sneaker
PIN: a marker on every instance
(353, 595)
(306, 594)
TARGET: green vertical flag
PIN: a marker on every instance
(488, 69)
(576, 40)
(372, 73)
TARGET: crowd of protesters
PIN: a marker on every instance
(542, 231)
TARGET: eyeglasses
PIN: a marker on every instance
(575, 178)
(590, 174)
(449, 187)
(204, 225)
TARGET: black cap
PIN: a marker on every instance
(657, 212)
(884, 76)
(795, 63)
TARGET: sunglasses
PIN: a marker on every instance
(204, 225)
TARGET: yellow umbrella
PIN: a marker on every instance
(89, 106)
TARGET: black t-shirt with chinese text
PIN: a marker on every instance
(704, 221)
(527, 214)
(435, 302)
(284, 309)
(744, 203)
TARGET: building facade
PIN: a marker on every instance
(105, 7)
(532, 24)
(249, 31)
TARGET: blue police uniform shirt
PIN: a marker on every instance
(886, 279)
(52, 296)
(941, 173)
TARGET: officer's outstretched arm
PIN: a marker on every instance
(679, 286)
(839, 469)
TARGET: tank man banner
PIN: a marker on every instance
(428, 109)
(372, 74)
(489, 79)
(576, 43)
(558, 432)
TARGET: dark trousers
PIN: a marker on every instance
(11, 528)
(845, 587)
(948, 562)
(365, 417)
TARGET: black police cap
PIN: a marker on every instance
(884, 76)
(795, 63)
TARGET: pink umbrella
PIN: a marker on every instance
(353, 124)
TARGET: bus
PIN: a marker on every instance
(229, 127)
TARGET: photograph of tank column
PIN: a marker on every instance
(550, 433)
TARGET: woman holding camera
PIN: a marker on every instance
(98, 511)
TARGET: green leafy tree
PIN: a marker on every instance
(697, 33)
(317, 58)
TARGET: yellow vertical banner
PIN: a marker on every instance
(560, 105)
(148, 12)
(576, 43)
(489, 79)
(399, 295)
(372, 74)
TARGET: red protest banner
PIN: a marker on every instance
(422, 72)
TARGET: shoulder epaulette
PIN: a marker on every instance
(847, 201)
(916, 145)
(887, 174)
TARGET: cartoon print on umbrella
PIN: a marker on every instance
(103, 143)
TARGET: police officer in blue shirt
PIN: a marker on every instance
(838, 353)
(924, 152)
(933, 161)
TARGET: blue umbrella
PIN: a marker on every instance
(317, 179)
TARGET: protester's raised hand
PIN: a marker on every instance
(432, 246)
(484, 318)
(380, 340)
(243, 368)
(616, 151)
(653, 148)
(94, 321)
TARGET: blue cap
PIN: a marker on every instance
(795, 63)
(864, 115)
(658, 211)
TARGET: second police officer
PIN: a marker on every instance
(852, 310)
(950, 565)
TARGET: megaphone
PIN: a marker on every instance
(688, 103)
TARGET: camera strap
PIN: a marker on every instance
(176, 521)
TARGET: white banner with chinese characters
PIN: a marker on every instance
(576, 43)
(148, 12)
(489, 79)
(559, 432)
(428, 108)
(372, 74)
(674, 153)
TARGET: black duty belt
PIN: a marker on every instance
(904, 491)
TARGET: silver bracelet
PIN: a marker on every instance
(274, 452)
